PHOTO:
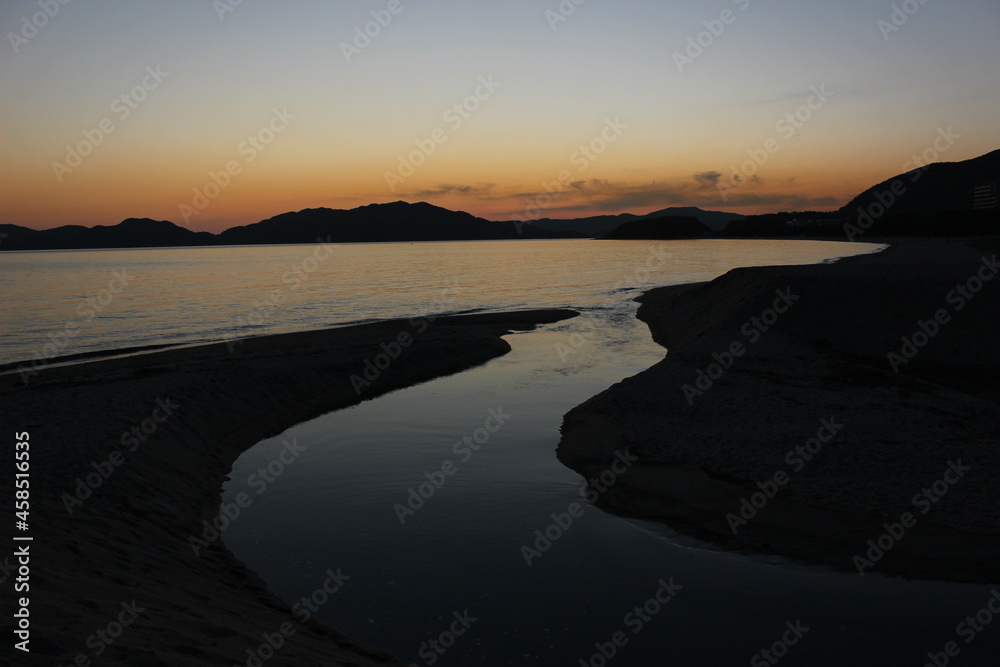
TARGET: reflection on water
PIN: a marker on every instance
(187, 295)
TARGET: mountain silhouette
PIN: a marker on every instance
(593, 226)
(935, 199)
(714, 220)
(662, 228)
(600, 225)
(936, 188)
(398, 221)
(130, 233)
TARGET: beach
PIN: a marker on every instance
(128, 458)
(843, 414)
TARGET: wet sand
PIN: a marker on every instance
(777, 422)
(128, 459)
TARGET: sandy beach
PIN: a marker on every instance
(128, 459)
(843, 414)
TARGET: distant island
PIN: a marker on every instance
(661, 229)
(941, 199)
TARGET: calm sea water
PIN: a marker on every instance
(59, 303)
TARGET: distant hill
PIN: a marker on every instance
(599, 225)
(130, 233)
(593, 226)
(398, 221)
(940, 187)
(714, 220)
(663, 228)
(935, 200)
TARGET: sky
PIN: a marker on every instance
(217, 113)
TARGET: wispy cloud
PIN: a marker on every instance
(597, 196)
(479, 191)
(708, 178)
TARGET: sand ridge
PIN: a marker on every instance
(712, 430)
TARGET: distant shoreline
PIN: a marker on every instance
(714, 237)
(830, 239)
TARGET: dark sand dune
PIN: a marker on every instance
(129, 542)
(705, 449)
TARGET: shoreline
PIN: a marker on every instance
(128, 459)
(739, 435)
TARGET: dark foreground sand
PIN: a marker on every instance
(896, 434)
(117, 581)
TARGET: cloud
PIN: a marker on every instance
(481, 191)
(592, 187)
(598, 196)
(657, 194)
(699, 190)
(708, 178)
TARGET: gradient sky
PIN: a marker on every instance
(560, 85)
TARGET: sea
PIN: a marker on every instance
(70, 302)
